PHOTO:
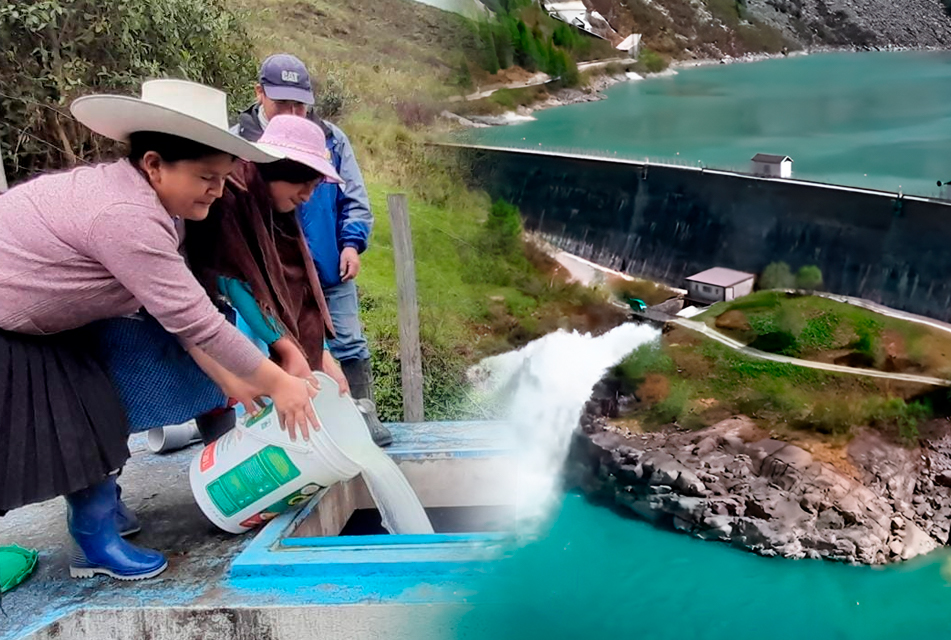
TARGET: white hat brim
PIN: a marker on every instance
(116, 117)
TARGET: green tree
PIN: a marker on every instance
(504, 226)
(809, 278)
(526, 54)
(504, 45)
(777, 276)
(56, 50)
(463, 74)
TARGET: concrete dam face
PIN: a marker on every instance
(667, 222)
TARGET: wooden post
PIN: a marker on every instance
(3, 174)
(411, 361)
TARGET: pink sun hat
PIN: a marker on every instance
(301, 140)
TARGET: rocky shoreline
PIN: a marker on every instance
(734, 483)
(594, 91)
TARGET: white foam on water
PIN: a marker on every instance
(546, 385)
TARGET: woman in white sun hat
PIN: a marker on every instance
(100, 242)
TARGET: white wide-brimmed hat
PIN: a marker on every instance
(178, 107)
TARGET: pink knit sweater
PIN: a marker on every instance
(95, 243)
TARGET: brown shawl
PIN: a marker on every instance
(244, 238)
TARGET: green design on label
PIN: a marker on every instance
(257, 476)
(294, 499)
(260, 415)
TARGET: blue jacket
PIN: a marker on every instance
(336, 216)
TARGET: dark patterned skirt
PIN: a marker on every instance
(158, 382)
(62, 426)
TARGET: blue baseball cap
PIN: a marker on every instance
(284, 77)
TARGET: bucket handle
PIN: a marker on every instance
(260, 435)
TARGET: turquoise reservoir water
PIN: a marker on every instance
(595, 574)
(879, 120)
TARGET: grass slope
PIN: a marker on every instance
(381, 63)
(824, 330)
(693, 382)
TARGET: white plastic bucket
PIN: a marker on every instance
(254, 472)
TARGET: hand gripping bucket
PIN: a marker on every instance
(254, 472)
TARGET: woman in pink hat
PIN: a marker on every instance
(251, 251)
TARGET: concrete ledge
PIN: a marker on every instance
(202, 596)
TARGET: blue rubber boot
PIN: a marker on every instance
(126, 521)
(99, 549)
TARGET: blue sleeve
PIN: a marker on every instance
(239, 295)
(354, 220)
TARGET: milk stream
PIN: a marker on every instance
(543, 388)
(400, 509)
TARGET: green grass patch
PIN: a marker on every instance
(703, 373)
(810, 326)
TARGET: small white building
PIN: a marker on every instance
(719, 284)
(575, 13)
(630, 45)
(772, 166)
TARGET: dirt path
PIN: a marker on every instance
(535, 80)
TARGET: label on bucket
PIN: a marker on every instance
(260, 415)
(281, 506)
(253, 478)
(208, 457)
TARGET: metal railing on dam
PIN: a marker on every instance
(666, 221)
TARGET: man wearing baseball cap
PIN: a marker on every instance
(336, 221)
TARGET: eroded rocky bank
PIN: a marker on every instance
(734, 483)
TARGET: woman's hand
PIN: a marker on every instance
(332, 369)
(291, 397)
(243, 392)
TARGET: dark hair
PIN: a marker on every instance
(171, 148)
(287, 170)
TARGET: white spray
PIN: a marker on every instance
(545, 386)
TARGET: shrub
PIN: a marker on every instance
(415, 114)
(896, 413)
(504, 226)
(651, 61)
(809, 278)
(647, 358)
(674, 407)
(833, 417)
(462, 76)
(777, 275)
(332, 97)
(868, 338)
(781, 342)
(56, 50)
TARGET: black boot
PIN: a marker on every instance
(215, 424)
(360, 377)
